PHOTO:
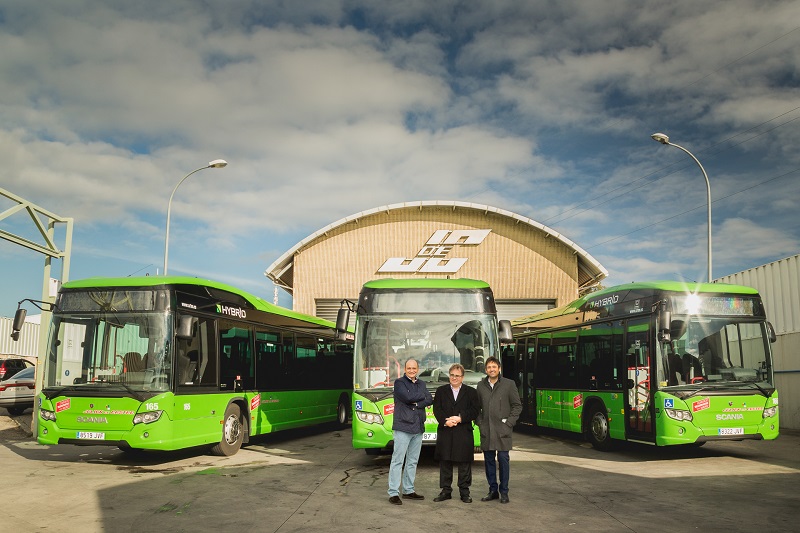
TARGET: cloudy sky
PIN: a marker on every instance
(324, 109)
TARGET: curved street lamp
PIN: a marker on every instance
(217, 163)
(663, 139)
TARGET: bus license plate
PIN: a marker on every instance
(91, 435)
(731, 431)
(429, 436)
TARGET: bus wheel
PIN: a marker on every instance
(232, 432)
(341, 412)
(597, 429)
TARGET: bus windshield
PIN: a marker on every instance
(114, 353)
(716, 350)
(436, 341)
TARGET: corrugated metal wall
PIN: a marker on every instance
(28, 343)
(779, 285)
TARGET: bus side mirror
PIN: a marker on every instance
(19, 320)
(342, 320)
(770, 332)
(664, 323)
(186, 327)
(504, 332)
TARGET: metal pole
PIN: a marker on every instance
(169, 209)
(663, 139)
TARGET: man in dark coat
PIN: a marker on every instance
(500, 409)
(455, 406)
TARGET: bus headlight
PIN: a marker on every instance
(146, 418)
(770, 412)
(679, 414)
(369, 418)
(47, 415)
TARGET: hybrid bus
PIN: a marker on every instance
(163, 363)
(438, 322)
(661, 363)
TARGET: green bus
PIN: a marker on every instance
(164, 363)
(438, 322)
(661, 363)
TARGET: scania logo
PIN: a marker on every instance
(92, 419)
(737, 416)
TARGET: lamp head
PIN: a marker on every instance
(660, 137)
(218, 163)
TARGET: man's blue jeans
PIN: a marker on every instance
(491, 470)
(406, 448)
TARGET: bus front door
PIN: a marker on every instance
(639, 408)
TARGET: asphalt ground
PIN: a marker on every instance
(312, 480)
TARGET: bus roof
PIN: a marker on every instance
(643, 287)
(426, 283)
(292, 317)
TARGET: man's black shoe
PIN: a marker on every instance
(413, 496)
(504, 498)
(491, 496)
(442, 497)
(395, 500)
(466, 499)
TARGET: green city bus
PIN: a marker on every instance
(164, 363)
(438, 322)
(661, 363)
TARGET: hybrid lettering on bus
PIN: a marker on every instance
(438, 322)
(661, 363)
(163, 363)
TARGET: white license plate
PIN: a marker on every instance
(731, 431)
(91, 435)
(428, 436)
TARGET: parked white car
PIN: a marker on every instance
(17, 392)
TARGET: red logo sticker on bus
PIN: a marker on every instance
(255, 401)
(577, 401)
(701, 404)
(388, 409)
(63, 405)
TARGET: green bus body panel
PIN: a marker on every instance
(382, 433)
(187, 420)
(712, 415)
(564, 409)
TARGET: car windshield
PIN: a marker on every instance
(717, 350)
(436, 341)
(119, 352)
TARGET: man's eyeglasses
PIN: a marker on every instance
(456, 375)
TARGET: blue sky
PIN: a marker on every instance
(325, 109)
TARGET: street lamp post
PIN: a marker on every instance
(663, 139)
(217, 163)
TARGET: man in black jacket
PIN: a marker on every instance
(455, 406)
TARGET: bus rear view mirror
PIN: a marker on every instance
(19, 320)
(504, 332)
(186, 327)
(342, 320)
(770, 332)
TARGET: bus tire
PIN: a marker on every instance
(15, 410)
(372, 451)
(597, 430)
(342, 415)
(232, 432)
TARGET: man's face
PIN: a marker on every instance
(411, 369)
(492, 370)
